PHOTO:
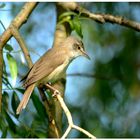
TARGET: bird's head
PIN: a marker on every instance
(76, 47)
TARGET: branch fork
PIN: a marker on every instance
(71, 125)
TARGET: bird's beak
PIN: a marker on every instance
(85, 54)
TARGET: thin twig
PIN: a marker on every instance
(83, 131)
(68, 115)
(18, 21)
(102, 18)
(87, 75)
(114, 19)
(70, 121)
(22, 44)
(2, 25)
(66, 132)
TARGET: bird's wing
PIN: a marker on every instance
(45, 65)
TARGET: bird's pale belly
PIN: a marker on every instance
(57, 74)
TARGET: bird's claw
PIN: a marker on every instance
(56, 92)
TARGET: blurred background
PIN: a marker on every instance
(106, 102)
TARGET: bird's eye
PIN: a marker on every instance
(78, 47)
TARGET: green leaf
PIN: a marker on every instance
(4, 134)
(65, 14)
(71, 24)
(20, 90)
(10, 122)
(77, 26)
(8, 47)
(15, 102)
(37, 130)
(13, 66)
(5, 99)
(6, 82)
(2, 5)
(39, 106)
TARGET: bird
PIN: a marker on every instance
(51, 67)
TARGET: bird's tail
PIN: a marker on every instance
(25, 98)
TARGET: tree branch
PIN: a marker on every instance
(102, 18)
(70, 120)
(97, 76)
(51, 117)
(18, 21)
(22, 44)
(68, 115)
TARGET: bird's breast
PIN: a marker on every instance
(56, 74)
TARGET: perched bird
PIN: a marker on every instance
(51, 66)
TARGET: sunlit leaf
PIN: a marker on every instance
(69, 13)
(71, 24)
(77, 26)
(13, 66)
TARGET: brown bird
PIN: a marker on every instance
(51, 66)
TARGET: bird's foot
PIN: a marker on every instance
(56, 92)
